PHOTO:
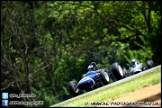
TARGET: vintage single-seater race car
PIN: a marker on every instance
(89, 80)
(139, 67)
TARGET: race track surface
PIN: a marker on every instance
(140, 98)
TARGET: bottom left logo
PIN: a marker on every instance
(4, 102)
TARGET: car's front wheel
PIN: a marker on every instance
(73, 89)
(104, 77)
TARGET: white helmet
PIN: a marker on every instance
(90, 67)
(133, 61)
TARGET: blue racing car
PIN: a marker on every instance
(89, 80)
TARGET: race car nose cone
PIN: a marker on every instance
(85, 83)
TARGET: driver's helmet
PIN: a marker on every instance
(90, 67)
(133, 61)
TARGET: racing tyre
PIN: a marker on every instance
(150, 64)
(72, 88)
(104, 77)
(117, 71)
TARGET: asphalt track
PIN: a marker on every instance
(112, 84)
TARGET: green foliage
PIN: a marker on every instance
(45, 96)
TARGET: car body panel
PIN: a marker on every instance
(89, 80)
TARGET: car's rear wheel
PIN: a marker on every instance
(104, 77)
(117, 71)
(73, 89)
